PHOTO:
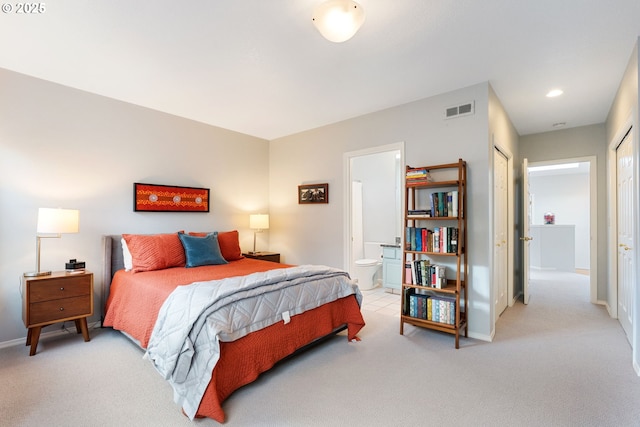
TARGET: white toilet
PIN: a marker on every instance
(368, 270)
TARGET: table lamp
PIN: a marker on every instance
(258, 222)
(51, 224)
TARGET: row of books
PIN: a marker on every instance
(422, 272)
(435, 308)
(444, 203)
(415, 213)
(417, 176)
(440, 239)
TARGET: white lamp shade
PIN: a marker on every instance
(58, 221)
(259, 221)
(338, 20)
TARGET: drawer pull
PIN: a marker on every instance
(61, 308)
(62, 288)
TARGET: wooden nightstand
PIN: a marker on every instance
(58, 297)
(264, 256)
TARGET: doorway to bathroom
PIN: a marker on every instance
(373, 200)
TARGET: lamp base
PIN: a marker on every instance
(37, 273)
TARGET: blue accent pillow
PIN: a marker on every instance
(202, 250)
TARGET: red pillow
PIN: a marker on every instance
(229, 243)
(155, 251)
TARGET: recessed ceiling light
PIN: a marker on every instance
(554, 92)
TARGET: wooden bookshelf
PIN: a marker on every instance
(438, 238)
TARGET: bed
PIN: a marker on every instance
(142, 287)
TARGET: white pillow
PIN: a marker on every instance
(126, 256)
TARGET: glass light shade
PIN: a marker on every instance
(58, 221)
(338, 20)
(259, 222)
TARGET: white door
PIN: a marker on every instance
(526, 229)
(625, 244)
(500, 248)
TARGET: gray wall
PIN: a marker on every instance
(625, 108)
(314, 234)
(567, 196)
(85, 151)
(61, 147)
(378, 174)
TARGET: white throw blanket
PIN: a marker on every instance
(184, 346)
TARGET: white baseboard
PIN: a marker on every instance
(57, 332)
(481, 337)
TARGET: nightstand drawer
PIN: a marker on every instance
(55, 310)
(64, 287)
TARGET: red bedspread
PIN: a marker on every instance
(135, 300)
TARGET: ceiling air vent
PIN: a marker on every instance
(459, 110)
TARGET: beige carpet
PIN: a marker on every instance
(560, 361)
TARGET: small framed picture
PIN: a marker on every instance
(313, 193)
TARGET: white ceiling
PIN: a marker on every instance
(260, 67)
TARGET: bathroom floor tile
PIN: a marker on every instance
(381, 300)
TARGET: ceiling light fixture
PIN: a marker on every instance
(554, 92)
(338, 20)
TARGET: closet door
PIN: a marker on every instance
(625, 244)
(501, 244)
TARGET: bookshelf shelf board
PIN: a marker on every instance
(449, 289)
(433, 253)
(444, 327)
(431, 218)
(432, 184)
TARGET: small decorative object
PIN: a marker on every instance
(169, 198)
(549, 218)
(313, 193)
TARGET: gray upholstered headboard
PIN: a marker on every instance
(112, 261)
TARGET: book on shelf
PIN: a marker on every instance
(443, 309)
(444, 203)
(454, 203)
(418, 306)
(437, 240)
(435, 308)
(418, 213)
(422, 273)
(417, 175)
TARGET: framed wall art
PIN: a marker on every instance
(169, 198)
(313, 193)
